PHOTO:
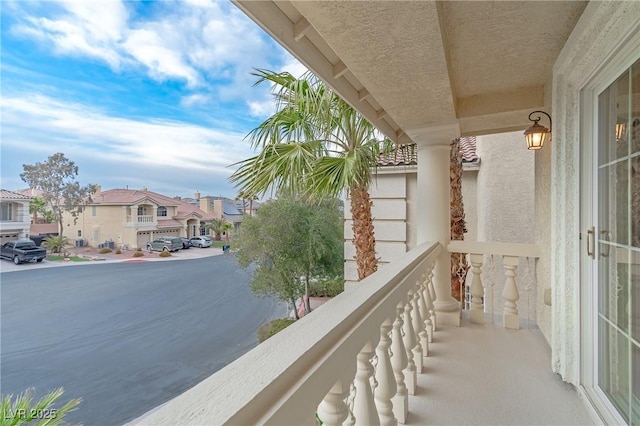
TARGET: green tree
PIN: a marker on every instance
(292, 242)
(316, 144)
(56, 178)
(219, 226)
(37, 205)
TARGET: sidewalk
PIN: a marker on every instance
(126, 256)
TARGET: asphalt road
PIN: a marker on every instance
(125, 337)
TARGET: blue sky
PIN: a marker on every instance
(136, 93)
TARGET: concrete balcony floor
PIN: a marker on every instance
(487, 375)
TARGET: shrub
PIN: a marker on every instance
(55, 243)
(105, 250)
(138, 253)
(272, 327)
(326, 288)
(118, 251)
(23, 410)
(164, 254)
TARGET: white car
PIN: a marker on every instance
(201, 242)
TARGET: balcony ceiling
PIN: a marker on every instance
(411, 64)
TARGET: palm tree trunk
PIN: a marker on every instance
(459, 266)
(363, 234)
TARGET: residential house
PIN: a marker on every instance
(428, 72)
(221, 208)
(14, 216)
(130, 218)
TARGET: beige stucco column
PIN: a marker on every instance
(433, 208)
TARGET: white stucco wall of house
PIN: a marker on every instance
(505, 213)
(594, 45)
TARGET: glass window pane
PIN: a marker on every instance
(613, 111)
(613, 298)
(613, 202)
(613, 367)
(633, 129)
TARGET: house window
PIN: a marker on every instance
(6, 211)
(162, 212)
(93, 211)
(203, 230)
(96, 235)
(79, 233)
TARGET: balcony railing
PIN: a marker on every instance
(356, 360)
(482, 291)
(145, 218)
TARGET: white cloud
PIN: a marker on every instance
(38, 123)
(210, 46)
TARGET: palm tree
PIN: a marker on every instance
(315, 144)
(219, 226)
(56, 243)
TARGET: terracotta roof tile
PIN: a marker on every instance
(10, 195)
(407, 155)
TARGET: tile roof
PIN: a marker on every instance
(120, 196)
(169, 223)
(10, 195)
(407, 155)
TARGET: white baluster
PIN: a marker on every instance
(399, 363)
(333, 411)
(430, 320)
(409, 338)
(424, 314)
(432, 293)
(420, 350)
(364, 407)
(384, 376)
(476, 309)
(510, 293)
(492, 283)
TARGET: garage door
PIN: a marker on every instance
(8, 237)
(145, 237)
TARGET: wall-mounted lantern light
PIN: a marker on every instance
(537, 135)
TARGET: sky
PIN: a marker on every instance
(155, 94)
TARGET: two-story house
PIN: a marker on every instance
(130, 218)
(14, 216)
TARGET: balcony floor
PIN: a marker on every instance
(486, 375)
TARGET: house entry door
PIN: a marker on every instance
(613, 246)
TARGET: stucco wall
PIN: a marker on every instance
(505, 213)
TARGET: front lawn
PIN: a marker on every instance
(217, 244)
(58, 258)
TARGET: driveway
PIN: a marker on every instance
(125, 337)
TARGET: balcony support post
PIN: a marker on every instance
(434, 222)
(476, 308)
(510, 293)
(399, 364)
(384, 376)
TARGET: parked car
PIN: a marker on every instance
(22, 251)
(177, 241)
(201, 242)
(186, 242)
(164, 244)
